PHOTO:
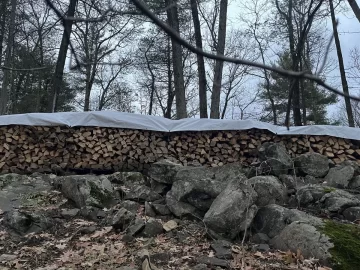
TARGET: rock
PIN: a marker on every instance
(260, 238)
(164, 171)
(90, 212)
(122, 219)
(7, 257)
(222, 249)
(309, 179)
(352, 213)
(233, 210)
(170, 225)
(69, 213)
(311, 194)
(127, 238)
(87, 190)
(263, 247)
(312, 164)
(181, 209)
(355, 182)
(200, 266)
(142, 193)
(159, 187)
(152, 228)
(161, 209)
(337, 200)
(25, 222)
(199, 193)
(353, 164)
(307, 238)
(130, 205)
(288, 181)
(87, 230)
(127, 178)
(139, 224)
(32, 190)
(212, 261)
(275, 156)
(340, 176)
(149, 210)
(272, 219)
(269, 189)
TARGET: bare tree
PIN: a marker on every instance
(200, 60)
(355, 7)
(220, 50)
(173, 21)
(341, 66)
(59, 70)
(4, 93)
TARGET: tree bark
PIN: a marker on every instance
(349, 111)
(355, 7)
(169, 86)
(173, 21)
(200, 60)
(2, 25)
(4, 94)
(59, 69)
(216, 91)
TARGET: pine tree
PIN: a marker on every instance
(313, 99)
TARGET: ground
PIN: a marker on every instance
(81, 244)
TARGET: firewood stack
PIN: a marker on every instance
(25, 149)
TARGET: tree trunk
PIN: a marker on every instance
(173, 20)
(59, 69)
(355, 7)
(2, 26)
(170, 89)
(4, 94)
(200, 60)
(220, 49)
(341, 67)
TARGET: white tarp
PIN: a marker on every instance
(155, 123)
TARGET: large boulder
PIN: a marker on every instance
(333, 243)
(340, 176)
(355, 183)
(338, 200)
(142, 194)
(309, 195)
(27, 222)
(275, 156)
(233, 210)
(21, 190)
(87, 190)
(127, 178)
(272, 219)
(312, 164)
(352, 213)
(306, 238)
(181, 209)
(269, 189)
(164, 171)
(199, 193)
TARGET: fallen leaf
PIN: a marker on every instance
(101, 232)
(259, 255)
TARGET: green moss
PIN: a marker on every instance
(346, 240)
(329, 189)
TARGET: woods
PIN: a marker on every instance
(85, 55)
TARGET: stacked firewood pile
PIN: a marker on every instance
(49, 148)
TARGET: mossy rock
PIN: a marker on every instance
(346, 239)
(329, 189)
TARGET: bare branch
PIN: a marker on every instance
(283, 72)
